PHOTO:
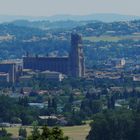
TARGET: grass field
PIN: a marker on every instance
(112, 38)
(74, 132)
(102, 38)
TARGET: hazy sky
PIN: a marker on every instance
(78, 7)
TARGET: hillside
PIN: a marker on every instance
(100, 17)
(101, 40)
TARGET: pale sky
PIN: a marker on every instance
(74, 7)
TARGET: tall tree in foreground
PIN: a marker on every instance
(115, 125)
(22, 133)
(48, 134)
(4, 135)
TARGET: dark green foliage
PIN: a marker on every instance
(115, 125)
(47, 134)
(91, 104)
(54, 105)
(17, 111)
(22, 133)
(35, 133)
(71, 98)
(111, 101)
(23, 101)
(4, 135)
(75, 119)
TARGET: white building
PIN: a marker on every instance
(51, 75)
(136, 78)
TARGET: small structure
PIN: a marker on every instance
(136, 78)
(51, 75)
(4, 77)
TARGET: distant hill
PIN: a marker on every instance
(101, 40)
(46, 24)
(99, 17)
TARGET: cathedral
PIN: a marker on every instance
(73, 65)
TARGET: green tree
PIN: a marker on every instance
(22, 133)
(35, 133)
(49, 134)
(54, 104)
(57, 134)
(45, 133)
(115, 125)
(4, 135)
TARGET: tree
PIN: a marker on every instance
(111, 101)
(22, 133)
(45, 133)
(35, 133)
(23, 101)
(71, 98)
(22, 91)
(57, 134)
(4, 135)
(133, 103)
(90, 107)
(115, 125)
(54, 104)
(49, 134)
(49, 103)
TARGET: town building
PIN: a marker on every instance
(4, 77)
(73, 65)
(9, 68)
(52, 76)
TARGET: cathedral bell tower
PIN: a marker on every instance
(76, 57)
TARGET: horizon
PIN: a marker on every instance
(35, 16)
(104, 17)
